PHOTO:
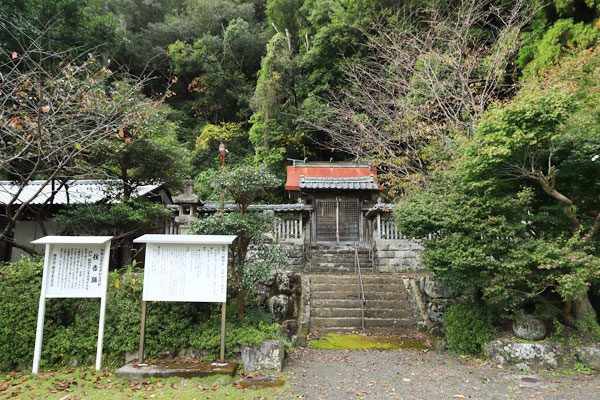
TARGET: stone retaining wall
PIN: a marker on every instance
(396, 256)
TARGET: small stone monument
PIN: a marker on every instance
(187, 201)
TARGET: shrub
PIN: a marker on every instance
(71, 325)
(468, 327)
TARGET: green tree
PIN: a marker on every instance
(273, 132)
(65, 25)
(253, 259)
(518, 215)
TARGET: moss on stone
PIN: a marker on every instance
(334, 341)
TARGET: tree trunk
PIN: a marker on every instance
(586, 319)
(240, 304)
(125, 246)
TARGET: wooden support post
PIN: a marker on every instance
(223, 312)
(142, 333)
(337, 219)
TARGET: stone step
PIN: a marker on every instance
(367, 279)
(332, 269)
(372, 329)
(406, 323)
(337, 262)
(399, 313)
(353, 295)
(344, 256)
(353, 287)
(338, 250)
(355, 303)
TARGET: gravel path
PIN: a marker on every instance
(409, 374)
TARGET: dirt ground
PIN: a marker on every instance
(409, 374)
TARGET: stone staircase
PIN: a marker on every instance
(334, 304)
(338, 258)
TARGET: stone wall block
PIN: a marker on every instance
(282, 307)
(437, 289)
(287, 282)
(437, 307)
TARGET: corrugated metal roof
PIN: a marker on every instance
(73, 192)
(213, 206)
(353, 183)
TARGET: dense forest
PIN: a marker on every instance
(482, 117)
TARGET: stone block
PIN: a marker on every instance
(437, 307)
(589, 356)
(287, 282)
(529, 328)
(400, 253)
(290, 327)
(437, 289)
(282, 307)
(268, 356)
(536, 356)
(131, 356)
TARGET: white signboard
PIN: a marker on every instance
(74, 266)
(76, 271)
(185, 267)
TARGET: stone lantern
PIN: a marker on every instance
(187, 201)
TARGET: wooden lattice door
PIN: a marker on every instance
(337, 220)
(348, 220)
(326, 220)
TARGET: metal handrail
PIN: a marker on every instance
(361, 290)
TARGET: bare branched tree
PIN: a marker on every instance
(431, 73)
(55, 109)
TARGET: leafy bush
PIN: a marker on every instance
(468, 326)
(71, 325)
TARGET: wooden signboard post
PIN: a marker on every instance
(74, 266)
(185, 268)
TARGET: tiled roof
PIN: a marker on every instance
(73, 192)
(333, 170)
(213, 206)
(353, 183)
(378, 208)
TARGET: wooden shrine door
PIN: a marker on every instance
(337, 220)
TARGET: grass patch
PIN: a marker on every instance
(86, 383)
(334, 341)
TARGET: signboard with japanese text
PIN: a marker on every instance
(76, 271)
(74, 266)
(185, 268)
(195, 273)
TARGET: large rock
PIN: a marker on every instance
(290, 327)
(437, 289)
(437, 307)
(268, 356)
(262, 293)
(287, 282)
(530, 356)
(529, 328)
(282, 307)
(590, 356)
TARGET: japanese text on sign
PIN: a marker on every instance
(76, 271)
(176, 272)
